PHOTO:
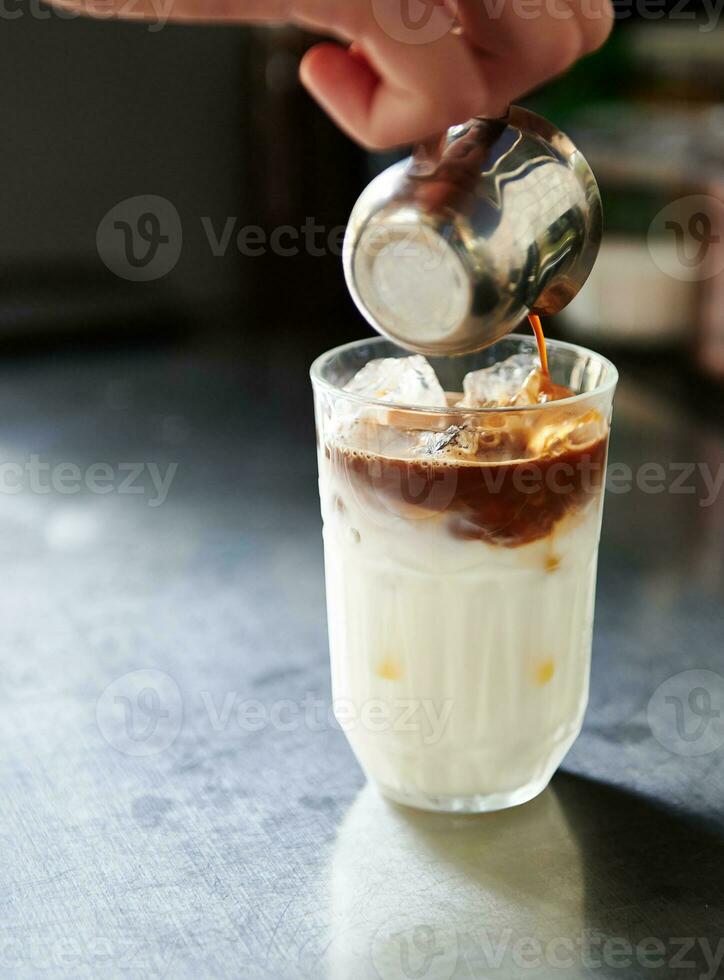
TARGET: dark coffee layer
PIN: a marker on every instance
(502, 503)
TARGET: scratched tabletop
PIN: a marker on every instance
(175, 797)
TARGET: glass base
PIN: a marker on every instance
(480, 803)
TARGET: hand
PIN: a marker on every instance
(408, 69)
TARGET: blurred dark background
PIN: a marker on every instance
(213, 120)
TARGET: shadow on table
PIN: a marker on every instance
(587, 879)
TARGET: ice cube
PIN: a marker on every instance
(568, 433)
(514, 381)
(402, 380)
(431, 443)
(495, 442)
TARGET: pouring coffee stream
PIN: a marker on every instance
(541, 341)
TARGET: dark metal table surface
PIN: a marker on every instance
(174, 799)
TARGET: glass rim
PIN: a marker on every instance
(610, 378)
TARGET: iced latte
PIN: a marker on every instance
(461, 501)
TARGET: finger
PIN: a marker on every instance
(518, 53)
(190, 11)
(327, 16)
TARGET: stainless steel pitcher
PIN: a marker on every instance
(445, 254)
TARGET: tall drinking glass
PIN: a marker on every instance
(460, 556)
